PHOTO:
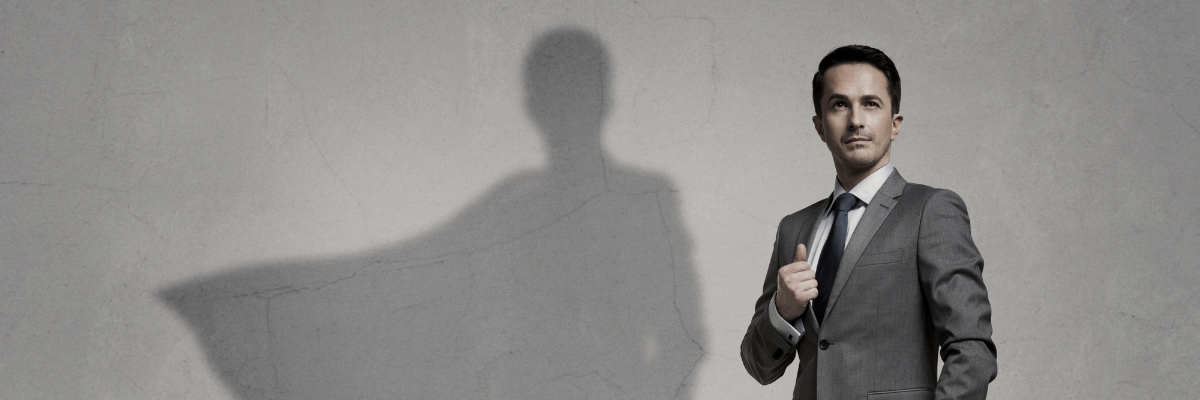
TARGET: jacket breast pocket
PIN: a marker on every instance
(903, 394)
(882, 257)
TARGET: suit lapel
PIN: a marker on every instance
(877, 211)
(809, 229)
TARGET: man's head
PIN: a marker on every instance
(856, 93)
(858, 54)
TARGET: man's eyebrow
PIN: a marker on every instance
(872, 97)
(838, 96)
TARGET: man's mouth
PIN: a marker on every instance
(858, 139)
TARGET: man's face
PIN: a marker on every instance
(856, 120)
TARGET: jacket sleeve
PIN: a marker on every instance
(951, 272)
(765, 353)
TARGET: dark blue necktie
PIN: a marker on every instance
(831, 254)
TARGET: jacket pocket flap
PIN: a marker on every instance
(905, 394)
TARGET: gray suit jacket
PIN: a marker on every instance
(910, 281)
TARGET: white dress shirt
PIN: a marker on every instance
(865, 192)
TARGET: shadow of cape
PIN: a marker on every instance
(573, 282)
(540, 290)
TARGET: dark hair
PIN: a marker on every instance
(857, 54)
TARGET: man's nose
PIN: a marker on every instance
(857, 117)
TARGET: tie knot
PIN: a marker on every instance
(845, 202)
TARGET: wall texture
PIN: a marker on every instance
(537, 199)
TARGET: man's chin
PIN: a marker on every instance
(862, 164)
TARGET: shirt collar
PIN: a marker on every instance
(866, 189)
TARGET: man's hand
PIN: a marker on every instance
(796, 284)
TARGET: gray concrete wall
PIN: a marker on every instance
(527, 199)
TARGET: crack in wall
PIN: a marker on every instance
(712, 51)
(276, 292)
(321, 152)
(529, 232)
(274, 389)
(675, 298)
(62, 186)
(1176, 323)
(1184, 120)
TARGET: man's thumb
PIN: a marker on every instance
(801, 254)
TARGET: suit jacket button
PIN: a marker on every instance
(778, 353)
(824, 344)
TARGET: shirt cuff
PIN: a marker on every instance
(790, 333)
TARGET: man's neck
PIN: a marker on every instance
(851, 178)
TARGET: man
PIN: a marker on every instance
(865, 286)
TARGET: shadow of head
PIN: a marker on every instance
(566, 82)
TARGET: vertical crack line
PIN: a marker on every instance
(675, 295)
(324, 159)
(683, 382)
(604, 169)
(458, 333)
(274, 390)
(712, 71)
(674, 274)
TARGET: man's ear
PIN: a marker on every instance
(897, 118)
(821, 128)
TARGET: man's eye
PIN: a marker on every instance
(872, 104)
(839, 104)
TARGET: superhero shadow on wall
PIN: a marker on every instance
(575, 281)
